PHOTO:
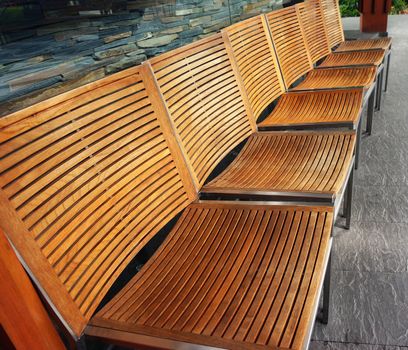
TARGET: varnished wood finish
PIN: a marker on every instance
(334, 78)
(205, 102)
(330, 106)
(255, 57)
(86, 180)
(332, 20)
(368, 44)
(276, 162)
(229, 275)
(289, 42)
(354, 58)
(312, 25)
(22, 315)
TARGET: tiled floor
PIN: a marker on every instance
(369, 301)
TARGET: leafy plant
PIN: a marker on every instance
(349, 8)
(398, 6)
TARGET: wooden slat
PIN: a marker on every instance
(329, 106)
(365, 44)
(335, 78)
(90, 179)
(313, 27)
(229, 275)
(244, 275)
(296, 162)
(289, 42)
(354, 58)
(204, 101)
(332, 19)
(256, 59)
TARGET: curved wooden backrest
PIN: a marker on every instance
(289, 43)
(256, 59)
(332, 20)
(204, 101)
(87, 178)
(312, 24)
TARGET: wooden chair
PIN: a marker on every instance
(210, 115)
(90, 176)
(332, 20)
(252, 52)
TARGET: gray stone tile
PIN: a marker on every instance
(380, 204)
(320, 345)
(371, 247)
(368, 308)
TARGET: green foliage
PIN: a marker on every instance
(398, 6)
(349, 8)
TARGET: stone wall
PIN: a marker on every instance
(59, 56)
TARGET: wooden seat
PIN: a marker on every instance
(90, 176)
(295, 164)
(354, 58)
(366, 44)
(229, 275)
(335, 78)
(331, 15)
(325, 108)
(253, 53)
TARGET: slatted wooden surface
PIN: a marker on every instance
(354, 58)
(291, 162)
(367, 44)
(205, 102)
(229, 275)
(312, 24)
(290, 44)
(257, 63)
(334, 78)
(86, 179)
(332, 19)
(332, 106)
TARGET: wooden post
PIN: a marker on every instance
(374, 15)
(24, 322)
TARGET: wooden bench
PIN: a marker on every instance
(89, 177)
(210, 115)
(252, 51)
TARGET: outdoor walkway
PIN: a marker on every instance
(369, 304)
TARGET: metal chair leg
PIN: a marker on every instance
(348, 198)
(370, 112)
(388, 71)
(379, 88)
(358, 145)
(326, 293)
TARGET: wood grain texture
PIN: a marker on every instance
(332, 20)
(334, 78)
(367, 44)
(88, 181)
(314, 29)
(314, 107)
(290, 44)
(206, 107)
(257, 62)
(231, 275)
(354, 58)
(22, 315)
(301, 162)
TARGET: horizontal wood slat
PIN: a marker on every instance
(314, 107)
(204, 101)
(367, 44)
(256, 59)
(289, 42)
(354, 58)
(332, 20)
(315, 33)
(237, 276)
(92, 178)
(289, 162)
(335, 78)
